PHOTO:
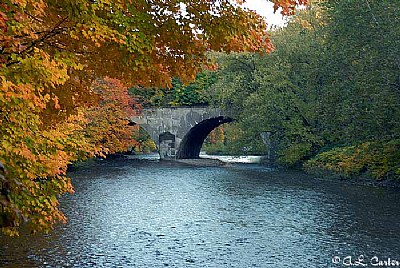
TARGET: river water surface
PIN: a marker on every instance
(130, 213)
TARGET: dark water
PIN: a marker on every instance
(150, 214)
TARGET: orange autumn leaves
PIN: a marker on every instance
(57, 104)
(108, 121)
(288, 7)
(37, 157)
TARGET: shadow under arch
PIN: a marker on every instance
(190, 145)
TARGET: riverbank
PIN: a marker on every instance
(227, 161)
(318, 173)
(362, 179)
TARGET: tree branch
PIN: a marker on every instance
(48, 34)
(372, 13)
(33, 17)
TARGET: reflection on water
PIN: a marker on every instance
(130, 213)
(252, 159)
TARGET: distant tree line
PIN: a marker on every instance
(194, 93)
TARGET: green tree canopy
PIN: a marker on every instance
(333, 80)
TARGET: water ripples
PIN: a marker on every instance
(154, 214)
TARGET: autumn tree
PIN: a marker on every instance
(52, 52)
(108, 122)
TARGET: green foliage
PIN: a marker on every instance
(360, 71)
(194, 93)
(264, 95)
(144, 143)
(332, 80)
(216, 149)
(234, 141)
(379, 159)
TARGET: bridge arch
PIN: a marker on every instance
(191, 144)
(179, 132)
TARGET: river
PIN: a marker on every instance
(140, 213)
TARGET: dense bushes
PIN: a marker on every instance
(379, 159)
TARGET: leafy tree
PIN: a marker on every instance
(335, 83)
(273, 93)
(144, 143)
(361, 89)
(362, 52)
(180, 94)
(52, 52)
(108, 122)
(231, 139)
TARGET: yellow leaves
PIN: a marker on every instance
(51, 51)
(98, 33)
(30, 154)
(379, 158)
(21, 3)
(10, 231)
(24, 152)
(38, 6)
(39, 70)
(74, 34)
(21, 95)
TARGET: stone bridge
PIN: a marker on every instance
(179, 132)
